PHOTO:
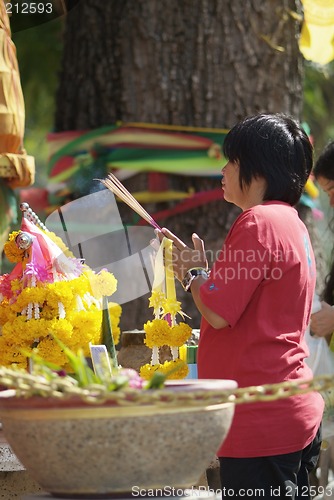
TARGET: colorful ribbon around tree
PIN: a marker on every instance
(137, 147)
(164, 330)
(76, 157)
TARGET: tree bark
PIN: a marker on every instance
(204, 63)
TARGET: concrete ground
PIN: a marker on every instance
(15, 482)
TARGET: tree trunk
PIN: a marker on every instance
(205, 63)
(201, 63)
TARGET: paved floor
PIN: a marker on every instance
(15, 482)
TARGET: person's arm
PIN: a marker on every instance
(211, 317)
(322, 322)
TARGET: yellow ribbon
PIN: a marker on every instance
(163, 270)
(163, 288)
(169, 273)
(159, 270)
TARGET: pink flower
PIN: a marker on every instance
(41, 273)
(135, 381)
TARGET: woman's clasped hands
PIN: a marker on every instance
(184, 257)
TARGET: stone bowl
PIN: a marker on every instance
(74, 449)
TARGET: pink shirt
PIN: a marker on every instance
(263, 284)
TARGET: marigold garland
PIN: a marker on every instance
(163, 329)
(115, 312)
(103, 283)
(12, 252)
(157, 333)
(175, 369)
(57, 296)
(179, 334)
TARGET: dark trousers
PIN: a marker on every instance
(270, 478)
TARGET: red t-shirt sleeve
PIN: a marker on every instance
(236, 274)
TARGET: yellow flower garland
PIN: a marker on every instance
(115, 312)
(164, 330)
(101, 284)
(179, 334)
(157, 333)
(31, 312)
(12, 252)
(175, 369)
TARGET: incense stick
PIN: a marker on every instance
(115, 185)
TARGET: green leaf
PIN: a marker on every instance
(157, 381)
(107, 338)
(81, 371)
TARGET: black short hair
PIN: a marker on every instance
(324, 166)
(273, 146)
